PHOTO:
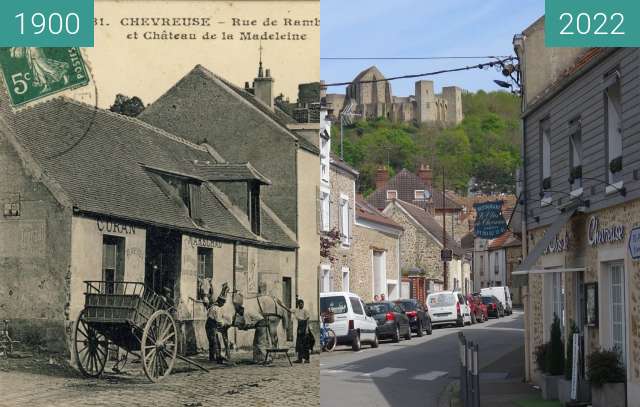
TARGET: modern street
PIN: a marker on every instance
(416, 372)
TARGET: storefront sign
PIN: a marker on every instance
(558, 245)
(202, 242)
(115, 227)
(599, 236)
(634, 244)
(489, 222)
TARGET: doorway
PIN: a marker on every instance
(379, 272)
(162, 268)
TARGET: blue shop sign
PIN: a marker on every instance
(489, 222)
(634, 244)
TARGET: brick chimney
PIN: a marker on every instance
(425, 174)
(382, 176)
(263, 86)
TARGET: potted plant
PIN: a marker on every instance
(564, 383)
(607, 375)
(616, 165)
(554, 362)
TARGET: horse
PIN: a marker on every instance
(259, 312)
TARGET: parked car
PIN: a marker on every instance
(494, 306)
(391, 320)
(351, 325)
(418, 316)
(474, 309)
(482, 306)
(448, 307)
(502, 294)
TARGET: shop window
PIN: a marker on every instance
(614, 128)
(558, 297)
(112, 262)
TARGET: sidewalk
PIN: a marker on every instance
(501, 385)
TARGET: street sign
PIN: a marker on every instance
(446, 254)
(634, 244)
(489, 222)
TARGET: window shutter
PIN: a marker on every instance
(194, 201)
(340, 221)
(350, 224)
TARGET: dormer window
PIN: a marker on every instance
(189, 193)
(419, 195)
(392, 194)
(253, 206)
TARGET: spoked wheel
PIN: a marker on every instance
(159, 345)
(91, 348)
(332, 341)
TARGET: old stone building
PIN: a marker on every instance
(129, 202)
(243, 125)
(420, 247)
(581, 236)
(370, 96)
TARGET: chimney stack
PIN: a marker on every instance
(263, 87)
(426, 175)
(382, 176)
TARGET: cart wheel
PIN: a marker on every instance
(91, 348)
(159, 345)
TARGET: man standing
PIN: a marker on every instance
(382, 297)
(304, 339)
(376, 298)
(214, 320)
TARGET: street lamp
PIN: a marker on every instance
(503, 84)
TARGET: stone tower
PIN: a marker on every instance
(425, 102)
(453, 96)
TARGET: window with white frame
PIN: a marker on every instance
(325, 211)
(614, 129)
(419, 195)
(617, 308)
(345, 224)
(345, 279)
(324, 158)
(392, 194)
(558, 297)
(325, 278)
(545, 162)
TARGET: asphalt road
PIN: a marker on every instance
(414, 372)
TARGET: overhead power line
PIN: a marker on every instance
(483, 65)
(412, 58)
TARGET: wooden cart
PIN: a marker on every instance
(130, 316)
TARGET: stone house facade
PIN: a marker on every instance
(421, 245)
(581, 141)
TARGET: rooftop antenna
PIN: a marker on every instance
(260, 74)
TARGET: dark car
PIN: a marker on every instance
(418, 316)
(494, 306)
(391, 320)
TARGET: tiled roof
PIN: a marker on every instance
(102, 161)
(222, 172)
(507, 239)
(468, 241)
(338, 162)
(366, 211)
(406, 183)
(428, 222)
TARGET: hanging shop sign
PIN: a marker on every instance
(634, 243)
(202, 242)
(558, 244)
(597, 236)
(489, 222)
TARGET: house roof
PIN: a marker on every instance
(200, 114)
(108, 164)
(340, 163)
(367, 212)
(228, 172)
(406, 183)
(424, 219)
(507, 239)
(467, 241)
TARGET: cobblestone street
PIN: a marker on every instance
(241, 385)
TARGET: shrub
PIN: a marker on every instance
(555, 355)
(568, 362)
(605, 366)
(541, 357)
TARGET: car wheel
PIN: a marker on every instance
(396, 335)
(420, 329)
(429, 328)
(356, 345)
(460, 322)
(375, 342)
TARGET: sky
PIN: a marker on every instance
(420, 28)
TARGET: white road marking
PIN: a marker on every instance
(431, 376)
(385, 372)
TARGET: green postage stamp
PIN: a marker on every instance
(34, 73)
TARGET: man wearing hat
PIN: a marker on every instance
(214, 320)
(304, 339)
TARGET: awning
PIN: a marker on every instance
(549, 270)
(543, 243)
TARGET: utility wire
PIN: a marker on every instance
(411, 58)
(393, 78)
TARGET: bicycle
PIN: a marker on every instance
(328, 340)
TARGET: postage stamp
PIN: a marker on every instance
(34, 73)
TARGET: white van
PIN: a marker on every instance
(501, 293)
(351, 324)
(448, 307)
